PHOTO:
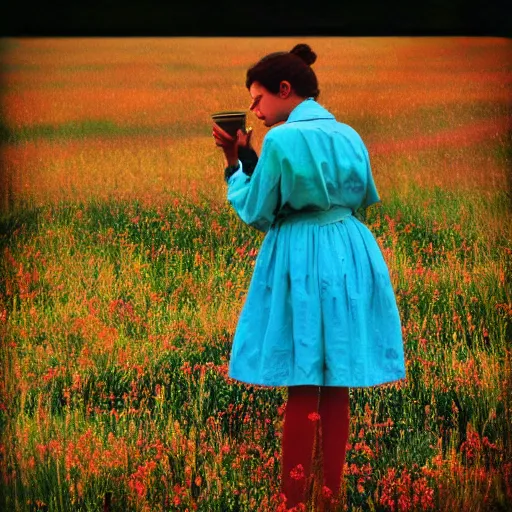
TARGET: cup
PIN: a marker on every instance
(230, 121)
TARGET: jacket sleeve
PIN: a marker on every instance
(372, 196)
(256, 198)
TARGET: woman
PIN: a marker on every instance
(320, 314)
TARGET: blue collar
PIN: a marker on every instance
(308, 110)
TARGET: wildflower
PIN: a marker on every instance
(278, 497)
(297, 473)
(42, 450)
(186, 368)
(270, 462)
(327, 492)
(139, 487)
(423, 494)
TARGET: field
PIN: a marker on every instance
(124, 270)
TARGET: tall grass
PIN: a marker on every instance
(124, 271)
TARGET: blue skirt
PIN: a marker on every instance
(320, 309)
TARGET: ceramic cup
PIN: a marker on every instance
(230, 121)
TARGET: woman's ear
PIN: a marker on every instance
(285, 89)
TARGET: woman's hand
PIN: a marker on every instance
(244, 139)
(230, 144)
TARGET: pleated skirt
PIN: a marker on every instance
(320, 310)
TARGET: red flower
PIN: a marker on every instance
(297, 473)
(327, 492)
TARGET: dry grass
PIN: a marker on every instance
(151, 98)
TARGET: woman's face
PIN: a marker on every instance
(270, 108)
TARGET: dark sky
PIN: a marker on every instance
(257, 18)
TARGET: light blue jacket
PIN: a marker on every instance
(310, 162)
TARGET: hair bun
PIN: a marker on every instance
(305, 53)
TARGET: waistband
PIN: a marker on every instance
(319, 217)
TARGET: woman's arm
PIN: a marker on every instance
(249, 159)
(254, 191)
(371, 196)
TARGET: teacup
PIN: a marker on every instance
(230, 121)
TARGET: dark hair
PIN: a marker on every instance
(293, 66)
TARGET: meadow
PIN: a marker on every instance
(124, 270)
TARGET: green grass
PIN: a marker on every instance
(96, 128)
(110, 326)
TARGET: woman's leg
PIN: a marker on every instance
(334, 413)
(298, 440)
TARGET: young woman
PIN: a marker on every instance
(320, 314)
